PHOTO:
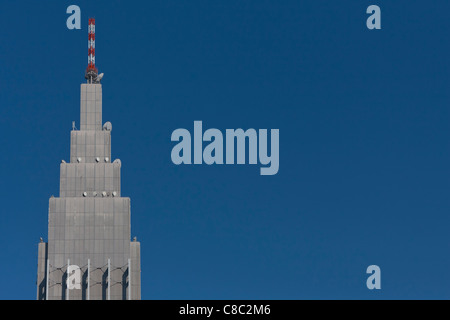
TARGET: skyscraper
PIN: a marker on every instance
(89, 254)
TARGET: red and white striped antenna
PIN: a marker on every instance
(91, 70)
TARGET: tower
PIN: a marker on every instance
(89, 254)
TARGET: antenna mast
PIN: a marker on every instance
(91, 70)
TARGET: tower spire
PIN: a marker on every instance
(91, 70)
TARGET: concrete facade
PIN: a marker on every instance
(89, 223)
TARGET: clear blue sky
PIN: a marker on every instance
(364, 142)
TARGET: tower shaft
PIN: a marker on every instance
(89, 254)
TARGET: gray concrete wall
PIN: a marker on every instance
(41, 272)
(91, 107)
(90, 146)
(135, 253)
(90, 179)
